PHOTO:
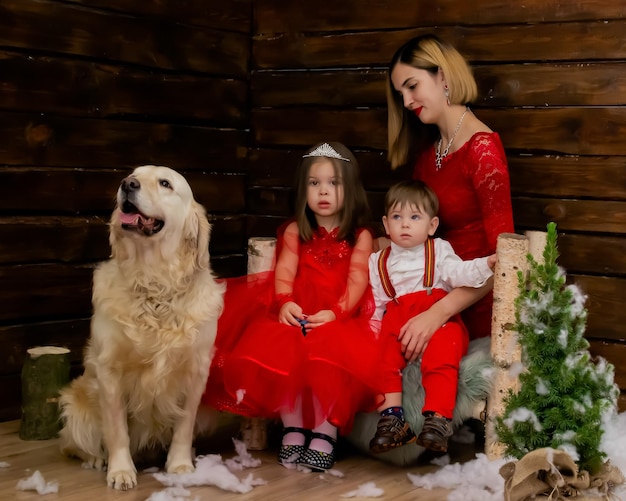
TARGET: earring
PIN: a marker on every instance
(446, 91)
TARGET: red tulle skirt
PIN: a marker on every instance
(261, 366)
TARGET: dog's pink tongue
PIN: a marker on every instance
(129, 218)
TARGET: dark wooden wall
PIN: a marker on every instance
(231, 92)
(552, 82)
(89, 89)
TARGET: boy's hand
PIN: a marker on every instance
(491, 261)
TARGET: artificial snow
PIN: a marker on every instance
(4, 464)
(212, 470)
(368, 490)
(480, 480)
(37, 483)
(171, 494)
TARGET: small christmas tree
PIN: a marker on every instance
(564, 395)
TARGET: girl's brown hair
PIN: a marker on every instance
(406, 134)
(355, 212)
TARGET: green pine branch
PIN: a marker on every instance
(563, 393)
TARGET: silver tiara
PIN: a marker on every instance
(326, 150)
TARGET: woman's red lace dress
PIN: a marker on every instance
(261, 365)
(474, 206)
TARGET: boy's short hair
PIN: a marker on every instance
(414, 193)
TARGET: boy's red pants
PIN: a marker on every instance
(440, 360)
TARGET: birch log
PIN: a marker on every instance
(45, 371)
(261, 257)
(511, 252)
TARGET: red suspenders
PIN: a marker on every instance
(429, 269)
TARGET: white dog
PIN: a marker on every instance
(155, 311)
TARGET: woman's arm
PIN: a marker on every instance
(416, 333)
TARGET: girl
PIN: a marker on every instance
(310, 357)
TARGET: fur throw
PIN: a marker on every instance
(475, 382)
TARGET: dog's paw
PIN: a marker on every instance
(94, 463)
(122, 479)
(180, 468)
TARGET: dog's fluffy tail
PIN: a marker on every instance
(81, 435)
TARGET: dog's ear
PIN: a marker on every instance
(197, 234)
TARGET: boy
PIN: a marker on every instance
(407, 278)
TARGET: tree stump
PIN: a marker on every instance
(512, 250)
(45, 371)
(261, 257)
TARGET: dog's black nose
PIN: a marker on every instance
(130, 184)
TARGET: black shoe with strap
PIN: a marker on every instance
(290, 454)
(319, 460)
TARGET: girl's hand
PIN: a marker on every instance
(290, 313)
(491, 261)
(320, 318)
(416, 333)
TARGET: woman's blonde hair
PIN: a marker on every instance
(406, 133)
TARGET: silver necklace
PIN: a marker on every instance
(440, 156)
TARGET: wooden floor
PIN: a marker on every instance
(77, 484)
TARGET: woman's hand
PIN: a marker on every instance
(289, 314)
(415, 334)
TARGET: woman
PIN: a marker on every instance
(431, 127)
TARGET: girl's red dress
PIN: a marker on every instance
(261, 365)
(474, 194)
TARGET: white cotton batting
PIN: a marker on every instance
(36, 482)
(368, 490)
(210, 470)
(172, 494)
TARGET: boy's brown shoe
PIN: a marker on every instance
(391, 432)
(435, 433)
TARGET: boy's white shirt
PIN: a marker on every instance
(406, 272)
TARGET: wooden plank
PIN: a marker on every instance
(560, 176)
(592, 254)
(155, 43)
(16, 339)
(233, 265)
(568, 176)
(554, 84)
(276, 167)
(263, 226)
(69, 239)
(479, 44)
(341, 88)
(570, 215)
(74, 87)
(605, 305)
(53, 238)
(614, 353)
(539, 84)
(70, 191)
(301, 127)
(573, 131)
(11, 395)
(274, 16)
(234, 15)
(47, 141)
(44, 292)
